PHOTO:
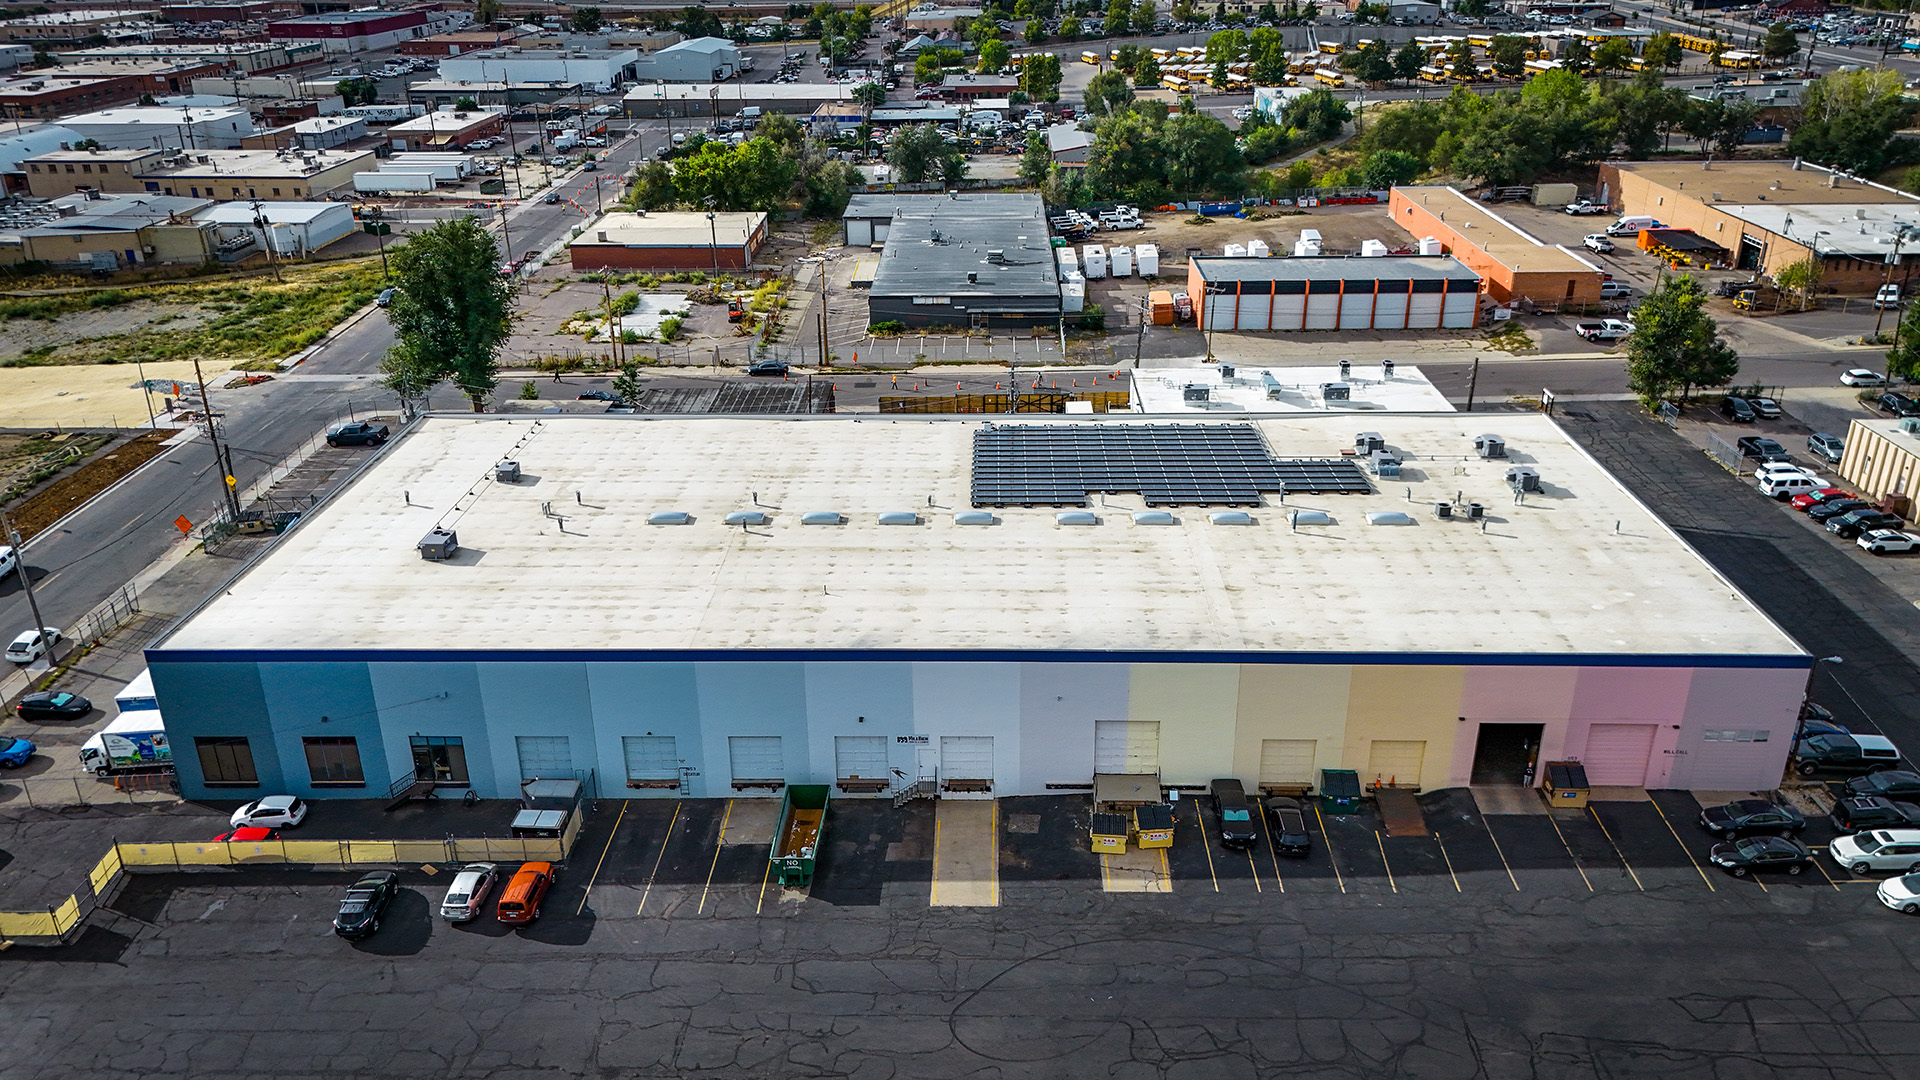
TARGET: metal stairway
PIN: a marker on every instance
(919, 789)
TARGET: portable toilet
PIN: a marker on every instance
(1148, 256)
(1120, 260)
(1073, 293)
(1430, 245)
(1095, 258)
(1236, 251)
(1258, 249)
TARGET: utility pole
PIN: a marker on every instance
(220, 462)
(1473, 383)
(821, 317)
(613, 333)
(1880, 312)
(20, 566)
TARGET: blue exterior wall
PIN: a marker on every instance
(1042, 714)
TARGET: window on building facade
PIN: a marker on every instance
(441, 759)
(226, 760)
(333, 760)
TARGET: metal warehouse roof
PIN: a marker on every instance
(566, 560)
(1308, 268)
(933, 245)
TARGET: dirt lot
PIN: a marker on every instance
(52, 502)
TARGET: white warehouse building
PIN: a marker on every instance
(600, 69)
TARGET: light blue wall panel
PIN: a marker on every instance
(1058, 705)
(858, 699)
(972, 699)
(645, 699)
(441, 700)
(325, 701)
(753, 699)
(227, 701)
(543, 698)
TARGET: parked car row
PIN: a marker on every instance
(368, 899)
(1285, 818)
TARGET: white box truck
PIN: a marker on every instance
(136, 740)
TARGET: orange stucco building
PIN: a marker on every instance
(1513, 264)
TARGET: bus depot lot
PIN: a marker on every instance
(1515, 945)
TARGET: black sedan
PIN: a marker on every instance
(1287, 824)
(1752, 817)
(1233, 815)
(360, 434)
(1836, 507)
(768, 367)
(600, 395)
(53, 705)
(365, 902)
(1897, 784)
(1756, 853)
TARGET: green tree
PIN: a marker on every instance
(1800, 277)
(653, 188)
(1614, 54)
(1070, 28)
(1642, 109)
(1721, 123)
(755, 175)
(358, 91)
(1460, 62)
(1268, 14)
(920, 152)
(1373, 63)
(783, 130)
(466, 104)
(1119, 15)
(629, 384)
(826, 182)
(1780, 42)
(453, 310)
(1267, 71)
(1299, 176)
(1108, 92)
(1040, 75)
(1220, 76)
(1143, 16)
(486, 12)
(586, 20)
(1675, 344)
(1850, 120)
(926, 68)
(1409, 60)
(1037, 161)
(1034, 32)
(1265, 141)
(1127, 57)
(1509, 56)
(872, 95)
(1661, 51)
(1316, 114)
(1903, 360)
(993, 57)
(698, 22)
(982, 30)
(1147, 72)
(1385, 168)
(1229, 46)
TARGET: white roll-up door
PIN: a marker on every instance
(1286, 762)
(544, 757)
(966, 757)
(1323, 310)
(1126, 746)
(1460, 310)
(1390, 310)
(880, 232)
(1395, 763)
(1617, 754)
(860, 757)
(859, 233)
(652, 761)
(1289, 309)
(756, 760)
(1356, 306)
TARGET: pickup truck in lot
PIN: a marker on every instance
(1604, 329)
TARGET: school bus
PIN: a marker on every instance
(1114, 56)
(1331, 48)
(1175, 83)
(1694, 43)
(1535, 67)
(1480, 41)
(1637, 63)
(1090, 58)
(1433, 74)
(1161, 55)
(1329, 77)
(1735, 58)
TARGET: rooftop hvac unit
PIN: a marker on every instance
(1194, 392)
(1335, 391)
(1490, 446)
(1383, 463)
(1226, 371)
(1523, 478)
(1367, 442)
(439, 545)
(1910, 425)
(507, 472)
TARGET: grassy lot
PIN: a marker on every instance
(252, 321)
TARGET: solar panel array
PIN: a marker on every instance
(1167, 464)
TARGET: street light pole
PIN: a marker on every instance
(713, 236)
(20, 566)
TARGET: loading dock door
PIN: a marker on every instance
(653, 762)
(859, 233)
(1395, 763)
(1126, 746)
(1617, 754)
(757, 761)
(544, 757)
(966, 764)
(1286, 763)
(880, 230)
(860, 757)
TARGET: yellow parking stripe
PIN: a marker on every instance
(603, 858)
(659, 858)
(1616, 847)
(1697, 868)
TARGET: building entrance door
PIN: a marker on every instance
(1506, 753)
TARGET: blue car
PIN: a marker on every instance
(15, 754)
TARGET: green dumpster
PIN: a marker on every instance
(802, 813)
(1340, 791)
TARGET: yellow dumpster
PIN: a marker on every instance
(1109, 834)
(1154, 824)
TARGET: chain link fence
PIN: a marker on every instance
(80, 792)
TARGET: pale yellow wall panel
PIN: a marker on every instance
(1196, 706)
(1401, 703)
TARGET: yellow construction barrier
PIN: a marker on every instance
(26, 924)
(103, 871)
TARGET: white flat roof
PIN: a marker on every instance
(1553, 577)
(1162, 391)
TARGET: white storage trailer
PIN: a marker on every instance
(1095, 256)
(382, 182)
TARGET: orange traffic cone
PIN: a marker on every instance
(956, 388)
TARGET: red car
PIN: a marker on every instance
(250, 834)
(1811, 499)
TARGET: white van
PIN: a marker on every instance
(1628, 226)
(751, 112)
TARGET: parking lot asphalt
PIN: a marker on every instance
(1551, 944)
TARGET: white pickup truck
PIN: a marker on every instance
(1604, 329)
